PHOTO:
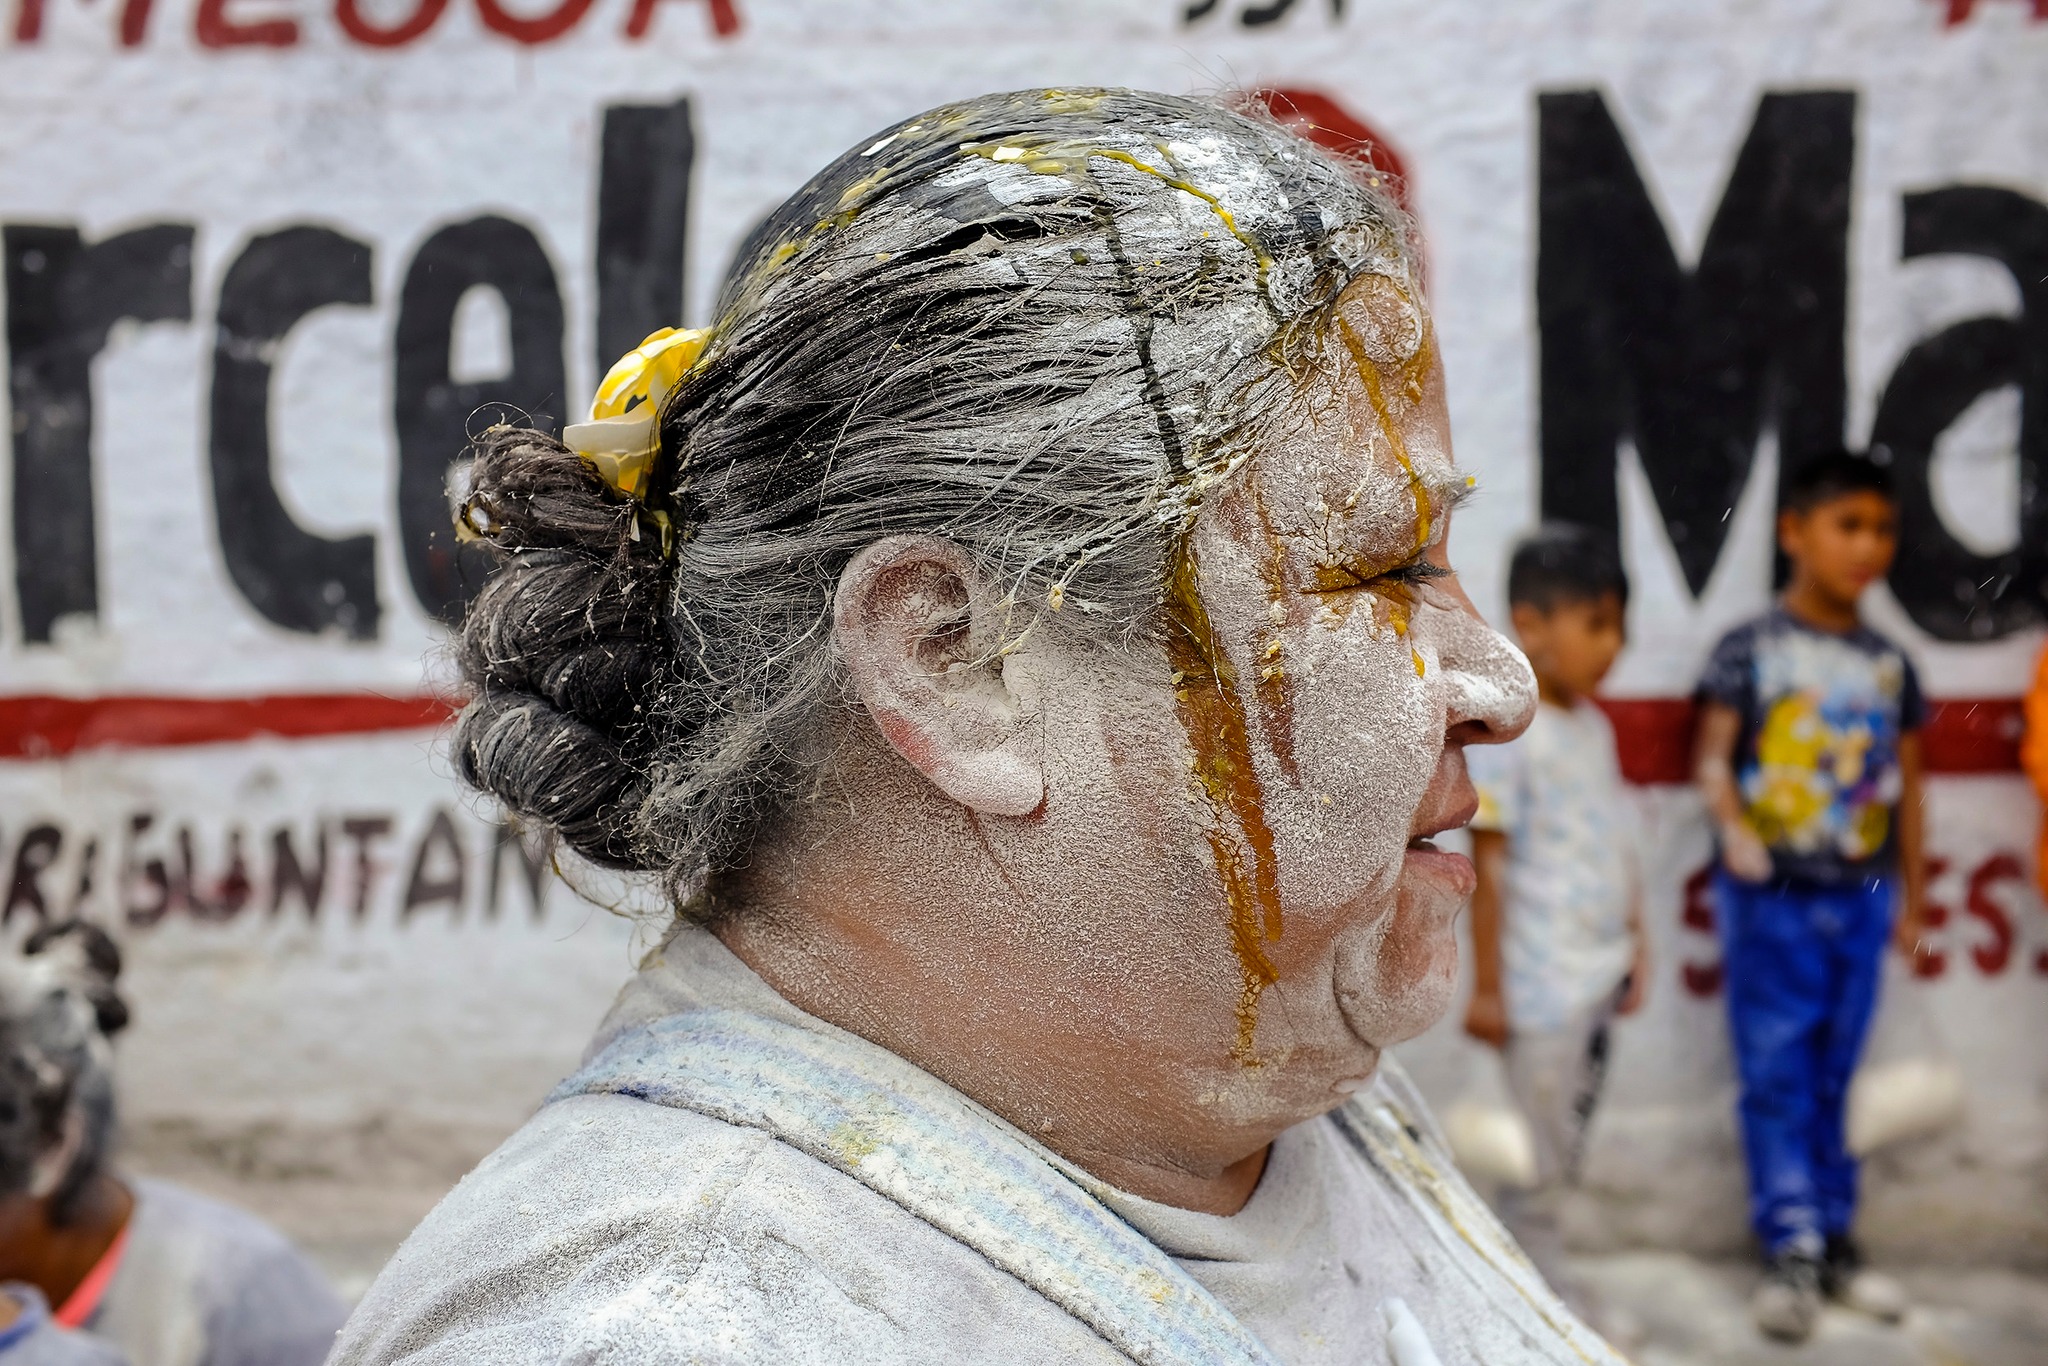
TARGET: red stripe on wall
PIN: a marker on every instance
(1963, 735)
(1654, 734)
(50, 727)
(1974, 735)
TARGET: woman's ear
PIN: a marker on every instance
(915, 625)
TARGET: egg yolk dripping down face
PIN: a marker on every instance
(1328, 672)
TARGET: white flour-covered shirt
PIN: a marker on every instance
(615, 1230)
(1556, 792)
(206, 1284)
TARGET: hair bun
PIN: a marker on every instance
(564, 645)
(550, 767)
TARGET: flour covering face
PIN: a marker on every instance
(1358, 671)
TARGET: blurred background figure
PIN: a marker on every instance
(1557, 930)
(1809, 761)
(167, 1277)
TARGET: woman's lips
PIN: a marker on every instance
(1452, 871)
(1449, 804)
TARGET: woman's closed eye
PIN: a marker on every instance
(1416, 572)
(1345, 578)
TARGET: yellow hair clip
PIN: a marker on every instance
(621, 438)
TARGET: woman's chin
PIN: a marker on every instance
(1388, 1003)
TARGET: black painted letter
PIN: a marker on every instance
(643, 212)
(1950, 591)
(434, 412)
(1694, 366)
(62, 297)
(299, 580)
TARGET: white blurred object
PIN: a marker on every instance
(1407, 1343)
(1910, 1098)
(1875, 1294)
(1906, 1086)
(1488, 1135)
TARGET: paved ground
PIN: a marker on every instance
(1694, 1313)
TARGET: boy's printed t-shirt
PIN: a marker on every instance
(1556, 792)
(1817, 760)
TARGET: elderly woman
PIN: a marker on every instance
(1021, 635)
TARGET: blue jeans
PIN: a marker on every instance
(1803, 964)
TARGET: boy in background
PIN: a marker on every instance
(1557, 933)
(1809, 760)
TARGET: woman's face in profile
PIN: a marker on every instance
(1328, 673)
(1218, 889)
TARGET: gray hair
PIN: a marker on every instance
(58, 1009)
(1039, 325)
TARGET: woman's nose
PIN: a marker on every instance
(1492, 689)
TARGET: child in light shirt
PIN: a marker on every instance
(1558, 945)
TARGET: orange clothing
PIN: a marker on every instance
(2034, 757)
